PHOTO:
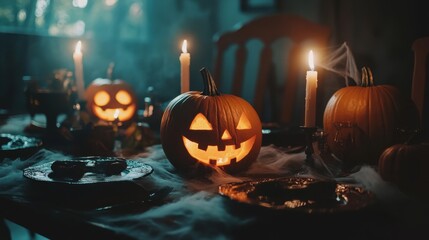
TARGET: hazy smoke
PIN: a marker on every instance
(195, 210)
(341, 61)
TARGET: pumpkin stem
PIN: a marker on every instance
(367, 79)
(371, 79)
(210, 88)
(364, 77)
(110, 71)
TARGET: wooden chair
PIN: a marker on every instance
(420, 77)
(270, 30)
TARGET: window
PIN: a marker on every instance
(123, 19)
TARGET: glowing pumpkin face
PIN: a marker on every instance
(205, 129)
(224, 151)
(110, 100)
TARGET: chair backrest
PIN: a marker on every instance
(420, 75)
(269, 30)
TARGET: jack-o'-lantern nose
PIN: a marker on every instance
(226, 135)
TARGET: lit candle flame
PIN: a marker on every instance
(116, 114)
(311, 60)
(185, 46)
(78, 47)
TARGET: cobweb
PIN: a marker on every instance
(340, 60)
(195, 210)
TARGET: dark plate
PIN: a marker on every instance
(299, 194)
(135, 170)
(14, 146)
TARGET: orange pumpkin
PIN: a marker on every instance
(111, 100)
(405, 165)
(200, 130)
(362, 121)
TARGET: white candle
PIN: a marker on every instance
(78, 69)
(185, 61)
(310, 93)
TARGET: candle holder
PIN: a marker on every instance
(51, 104)
(309, 139)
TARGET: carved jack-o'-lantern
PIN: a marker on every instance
(201, 129)
(111, 100)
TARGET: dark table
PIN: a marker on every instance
(167, 205)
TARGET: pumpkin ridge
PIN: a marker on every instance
(369, 116)
(224, 114)
(229, 117)
(388, 93)
(378, 116)
(358, 91)
(218, 119)
(389, 167)
(238, 102)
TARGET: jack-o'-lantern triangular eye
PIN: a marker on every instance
(244, 123)
(200, 123)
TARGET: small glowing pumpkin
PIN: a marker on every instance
(205, 129)
(111, 100)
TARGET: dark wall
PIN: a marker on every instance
(379, 33)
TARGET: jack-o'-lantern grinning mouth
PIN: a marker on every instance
(108, 114)
(213, 156)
